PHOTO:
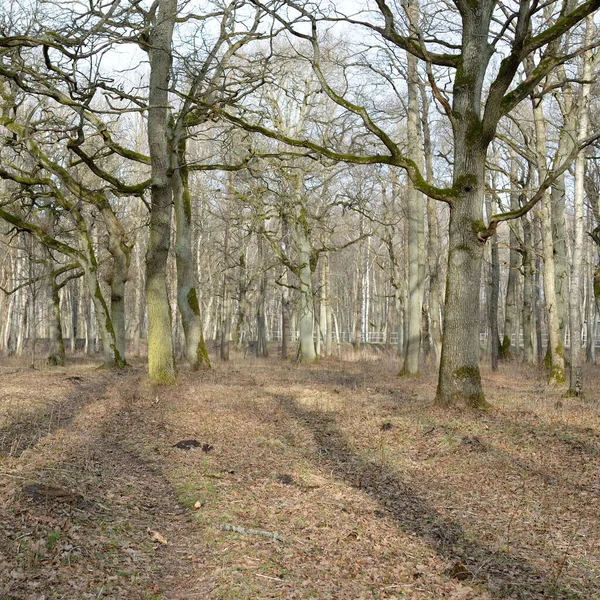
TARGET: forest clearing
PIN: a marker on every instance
(299, 299)
(337, 480)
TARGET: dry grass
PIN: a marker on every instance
(375, 493)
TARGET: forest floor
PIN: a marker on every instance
(338, 480)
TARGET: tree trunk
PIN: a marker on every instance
(575, 295)
(493, 295)
(286, 309)
(225, 318)
(416, 220)
(56, 354)
(261, 318)
(307, 306)
(512, 291)
(358, 295)
(161, 356)
(120, 252)
(187, 297)
(459, 377)
(555, 342)
(325, 319)
(528, 301)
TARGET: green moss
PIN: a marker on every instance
(505, 347)
(478, 225)
(465, 183)
(192, 300)
(557, 375)
(405, 373)
(202, 354)
(467, 372)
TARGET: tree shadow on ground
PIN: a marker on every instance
(504, 574)
(23, 433)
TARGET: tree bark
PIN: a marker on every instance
(493, 295)
(528, 299)
(187, 296)
(307, 306)
(555, 342)
(285, 289)
(261, 317)
(416, 219)
(512, 291)
(161, 356)
(575, 295)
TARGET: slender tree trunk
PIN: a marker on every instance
(225, 320)
(590, 354)
(416, 223)
(493, 295)
(528, 274)
(575, 321)
(307, 306)
(512, 292)
(555, 342)
(261, 318)
(326, 303)
(358, 295)
(187, 296)
(74, 314)
(285, 290)
(434, 283)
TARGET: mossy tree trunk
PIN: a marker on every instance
(555, 341)
(161, 356)
(187, 296)
(56, 351)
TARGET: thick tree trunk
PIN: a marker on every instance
(459, 378)
(112, 357)
(161, 356)
(120, 252)
(56, 354)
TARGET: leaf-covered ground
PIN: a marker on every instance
(338, 480)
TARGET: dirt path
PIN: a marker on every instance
(83, 514)
(336, 481)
